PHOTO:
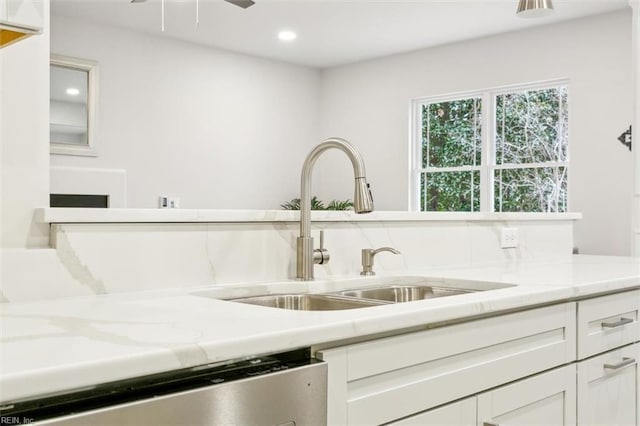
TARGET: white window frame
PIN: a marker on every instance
(488, 132)
(91, 68)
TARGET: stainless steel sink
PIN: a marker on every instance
(309, 302)
(352, 299)
(359, 293)
(403, 293)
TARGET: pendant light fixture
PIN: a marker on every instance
(534, 8)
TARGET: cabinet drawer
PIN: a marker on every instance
(461, 413)
(607, 322)
(386, 379)
(608, 388)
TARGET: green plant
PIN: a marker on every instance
(317, 204)
(340, 205)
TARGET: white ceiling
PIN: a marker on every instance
(330, 32)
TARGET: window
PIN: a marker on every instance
(503, 150)
(72, 101)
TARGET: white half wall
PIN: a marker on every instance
(214, 128)
(368, 103)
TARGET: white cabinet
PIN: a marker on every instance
(607, 322)
(388, 379)
(545, 399)
(461, 413)
(608, 388)
(20, 19)
(567, 364)
(608, 382)
(22, 12)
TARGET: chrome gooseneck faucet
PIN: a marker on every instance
(362, 203)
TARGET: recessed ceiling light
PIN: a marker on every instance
(287, 35)
(72, 91)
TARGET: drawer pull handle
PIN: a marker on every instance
(619, 323)
(625, 361)
(489, 424)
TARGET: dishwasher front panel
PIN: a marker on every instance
(296, 396)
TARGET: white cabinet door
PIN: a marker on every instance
(20, 19)
(387, 379)
(461, 413)
(546, 399)
(22, 12)
(608, 388)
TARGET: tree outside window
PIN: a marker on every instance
(503, 150)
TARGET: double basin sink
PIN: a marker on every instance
(387, 291)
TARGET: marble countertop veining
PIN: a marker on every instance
(57, 345)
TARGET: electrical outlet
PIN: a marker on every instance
(165, 202)
(509, 238)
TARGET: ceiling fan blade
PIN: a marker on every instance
(242, 3)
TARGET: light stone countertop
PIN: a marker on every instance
(57, 345)
(96, 215)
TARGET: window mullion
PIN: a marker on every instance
(547, 164)
(488, 153)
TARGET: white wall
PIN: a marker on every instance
(635, 4)
(214, 128)
(24, 139)
(241, 145)
(81, 180)
(368, 103)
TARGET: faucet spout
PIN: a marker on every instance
(362, 200)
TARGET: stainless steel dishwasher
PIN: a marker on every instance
(282, 389)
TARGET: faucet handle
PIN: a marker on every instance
(321, 255)
(367, 259)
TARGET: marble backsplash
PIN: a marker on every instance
(100, 258)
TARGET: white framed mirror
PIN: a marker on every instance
(72, 115)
